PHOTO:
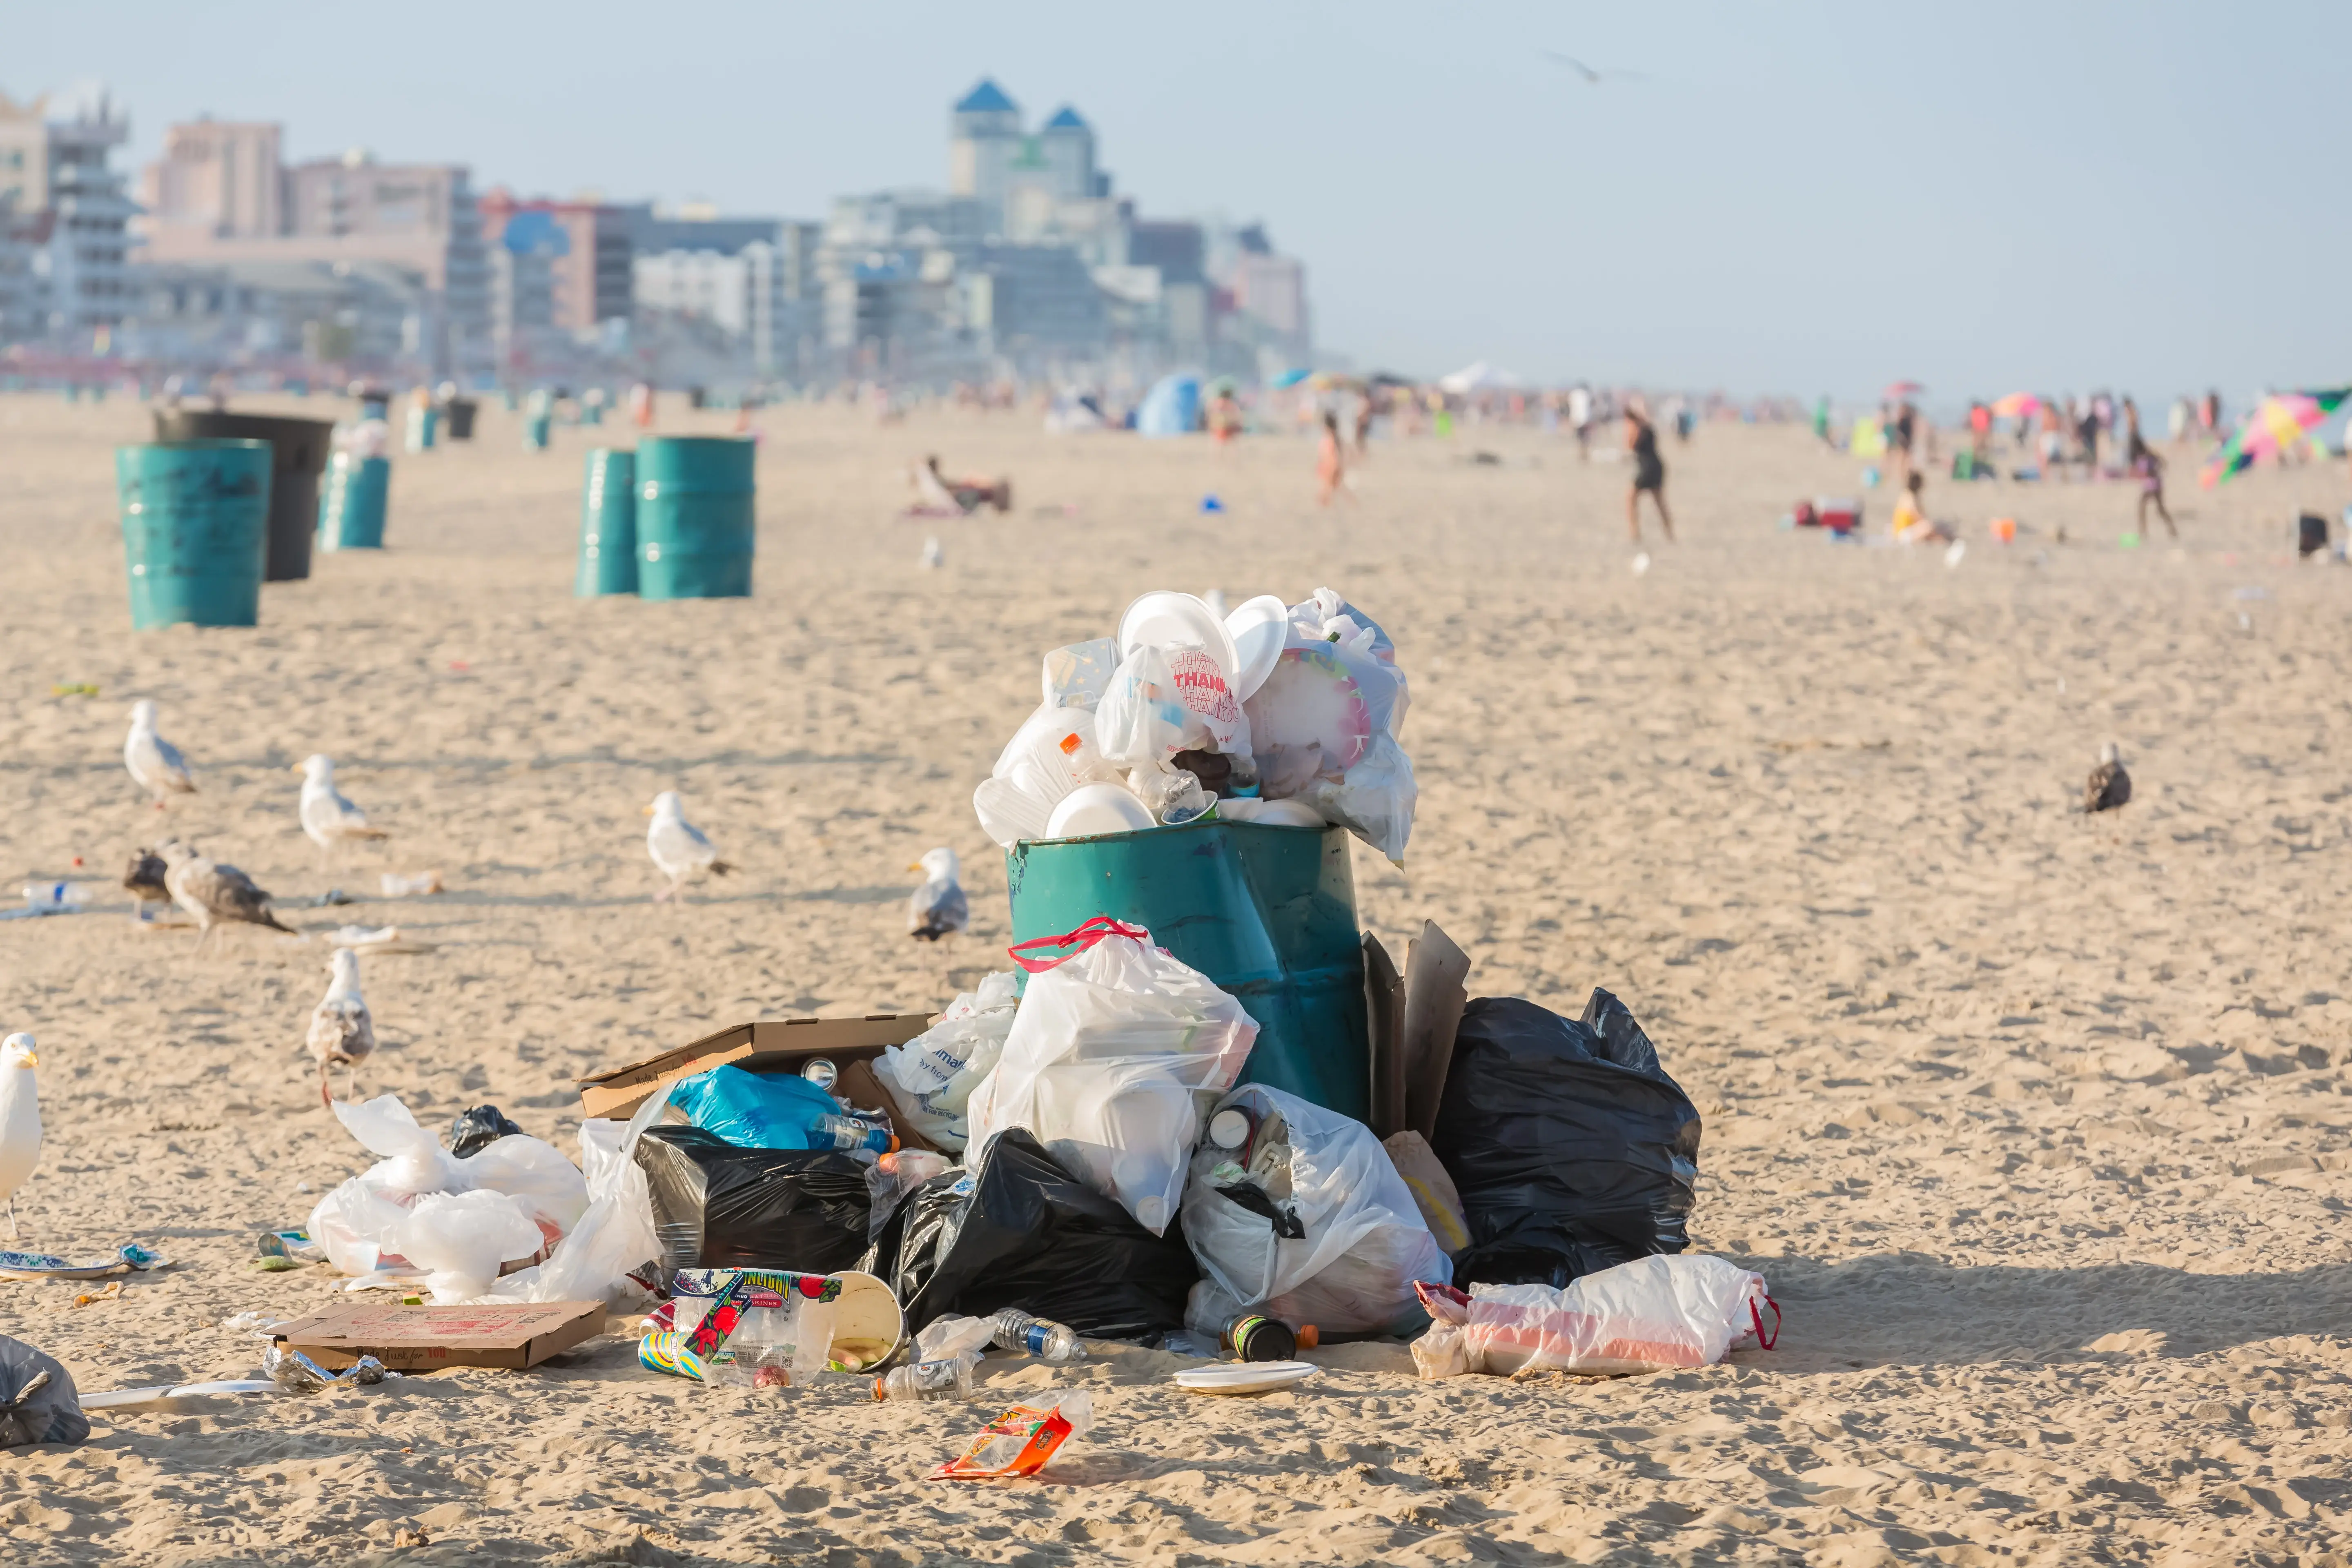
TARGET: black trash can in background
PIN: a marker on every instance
(300, 448)
(460, 413)
(2310, 533)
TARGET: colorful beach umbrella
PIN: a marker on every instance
(1902, 389)
(2016, 405)
(2277, 423)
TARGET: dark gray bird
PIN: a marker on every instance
(144, 878)
(1592, 77)
(2109, 786)
(214, 893)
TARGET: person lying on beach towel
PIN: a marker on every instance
(936, 495)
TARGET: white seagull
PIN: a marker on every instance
(678, 846)
(342, 1031)
(20, 1118)
(155, 764)
(938, 908)
(328, 816)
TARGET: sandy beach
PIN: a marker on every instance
(2036, 1123)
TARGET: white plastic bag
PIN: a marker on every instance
(1677, 1310)
(414, 1161)
(1114, 1054)
(1142, 721)
(534, 1171)
(614, 1236)
(356, 1224)
(935, 1073)
(1346, 1242)
(1374, 799)
(462, 1239)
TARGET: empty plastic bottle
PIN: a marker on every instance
(56, 898)
(948, 1378)
(1049, 1342)
(849, 1132)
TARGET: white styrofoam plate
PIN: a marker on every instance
(1246, 1377)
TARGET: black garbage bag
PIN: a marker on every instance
(719, 1206)
(477, 1128)
(38, 1400)
(1574, 1149)
(1022, 1232)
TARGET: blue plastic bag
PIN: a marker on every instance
(753, 1110)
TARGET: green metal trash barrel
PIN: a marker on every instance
(534, 432)
(300, 449)
(1268, 913)
(608, 525)
(695, 526)
(195, 530)
(352, 501)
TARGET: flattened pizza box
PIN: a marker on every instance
(770, 1045)
(423, 1338)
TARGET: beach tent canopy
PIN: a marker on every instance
(1173, 406)
(1478, 377)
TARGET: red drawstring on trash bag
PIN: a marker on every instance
(1077, 942)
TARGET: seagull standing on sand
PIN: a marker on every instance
(328, 816)
(678, 846)
(342, 1031)
(214, 893)
(2108, 786)
(144, 878)
(20, 1118)
(155, 764)
(938, 907)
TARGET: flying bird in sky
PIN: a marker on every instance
(1592, 78)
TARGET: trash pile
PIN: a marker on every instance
(1099, 1144)
(1286, 715)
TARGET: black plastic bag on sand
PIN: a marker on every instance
(719, 1206)
(1574, 1149)
(1022, 1232)
(477, 1128)
(38, 1401)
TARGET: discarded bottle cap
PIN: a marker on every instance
(1309, 1336)
(820, 1071)
(1230, 1129)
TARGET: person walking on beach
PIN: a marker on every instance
(1821, 421)
(2147, 468)
(1649, 473)
(1579, 419)
(1899, 434)
(1330, 462)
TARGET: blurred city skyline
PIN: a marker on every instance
(1984, 198)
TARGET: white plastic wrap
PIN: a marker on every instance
(1364, 1246)
(1374, 800)
(1114, 1057)
(461, 1240)
(1678, 1309)
(614, 1236)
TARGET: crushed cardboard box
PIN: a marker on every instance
(426, 1337)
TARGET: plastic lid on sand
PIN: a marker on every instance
(1246, 1377)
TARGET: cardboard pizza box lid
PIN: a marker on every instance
(424, 1338)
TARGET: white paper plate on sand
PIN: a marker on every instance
(1246, 1377)
(129, 1398)
(1258, 628)
(1166, 618)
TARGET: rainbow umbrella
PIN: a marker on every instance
(2276, 424)
(1903, 389)
(2017, 405)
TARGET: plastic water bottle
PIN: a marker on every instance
(948, 1378)
(56, 898)
(838, 1132)
(1048, 1342)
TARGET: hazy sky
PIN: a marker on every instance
(1791, 197)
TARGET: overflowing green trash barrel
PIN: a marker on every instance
(351, 503)
(534, 432)
(695, 526)
(299, 448)
(608, 525)
(195, 530)
(1268, 913)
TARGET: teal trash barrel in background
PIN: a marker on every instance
(608, 525)
(1268, 913)
(195, 530)
(534, 432)
(351, 503)
(300, 448)
(423, 427)
(695, 527)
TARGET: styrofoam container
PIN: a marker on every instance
(1098, 808)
